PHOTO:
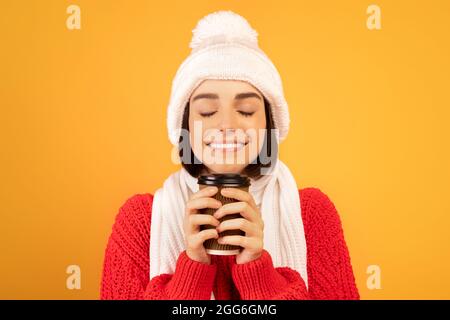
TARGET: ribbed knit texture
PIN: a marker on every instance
(330, 275)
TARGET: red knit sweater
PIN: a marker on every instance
(330, 276)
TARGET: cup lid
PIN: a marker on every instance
(224, 179)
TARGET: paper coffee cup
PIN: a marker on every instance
(225, 180)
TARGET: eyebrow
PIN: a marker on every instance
(239, 96)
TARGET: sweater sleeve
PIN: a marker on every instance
(126, 263)
(259, 280)
(330, 274)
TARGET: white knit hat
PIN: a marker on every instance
(225, 46)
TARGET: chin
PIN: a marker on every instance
(226, 168)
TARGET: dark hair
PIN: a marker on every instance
(195, 167)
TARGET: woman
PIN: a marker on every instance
(223, 96)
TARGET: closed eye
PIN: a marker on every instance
(209, 114)
(246, 114)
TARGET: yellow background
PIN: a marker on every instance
(83, 114)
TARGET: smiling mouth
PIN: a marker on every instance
(227, 147)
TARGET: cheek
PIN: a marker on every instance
(198, 129)
(258, 127)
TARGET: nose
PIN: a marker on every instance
(228, 121)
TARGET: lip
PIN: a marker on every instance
(226, 146)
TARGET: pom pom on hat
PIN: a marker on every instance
(225, 24)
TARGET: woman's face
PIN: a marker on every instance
(227, 123)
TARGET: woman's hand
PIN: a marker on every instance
(193, 236)
(251, 223)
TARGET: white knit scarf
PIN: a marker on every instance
(276, 195)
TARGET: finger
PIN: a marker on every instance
(237, 207)
(205, 192)
(250, 243)
(196, 240)
(195, 220)
(250, 229)
(240, 195)
(201, 203)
